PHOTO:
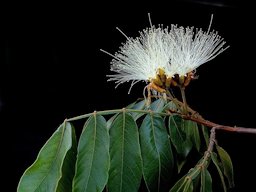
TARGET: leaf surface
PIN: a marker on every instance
(156, 151)
(46, 172)
(93, 160)
(126, 164)
(227, 165)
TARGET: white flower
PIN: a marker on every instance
(174, 51)
(139, 59)
(191, 49)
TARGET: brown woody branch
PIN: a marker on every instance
(221, 127)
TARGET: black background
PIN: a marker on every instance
(52, 69)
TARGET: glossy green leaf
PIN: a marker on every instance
(205, 131)
(197, 183)
(227, 165)
(126, 164)
(180, 163)
(216, 163)
(93, 160)
(136, 115)
(138, 106)
(110, 120)
(45, 173)
(158, 105)
(184, 184)
(206, 181)
(179, 138)
(156, 151)
(68, 168)
(189, 186)
(179, 185)
(192, 129)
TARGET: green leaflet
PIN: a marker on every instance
(216, 163)
(192, 129)
(158, 105)
(206, 181)
(126, 164)
(156, 152)
(110, 121)
(189, 186)
(92, 164)
(227, 165)
(179, 185)
(139, 106)
(206, 136)
(185, 184)
(135, 105)
(184, 134)
(68, 167)
(180, 139)
(46, 172)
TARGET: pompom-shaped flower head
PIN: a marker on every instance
(164, 57)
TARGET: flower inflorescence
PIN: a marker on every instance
(165, 56)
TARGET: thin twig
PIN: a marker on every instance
(209, 150)
(220, 127)
(185, 106)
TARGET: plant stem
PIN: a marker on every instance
(178, 104)
(182, 90)
(196, 118)
(114, 111)
(207, 153)
(211, 144)
(221, 127)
